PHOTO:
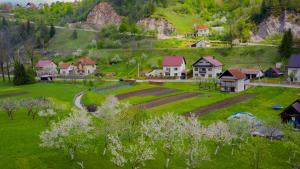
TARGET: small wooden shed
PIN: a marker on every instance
(292, 114)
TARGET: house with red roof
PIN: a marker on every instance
(202, 30)
(174, 66)
(207, 67)
(233, 80)
(66, 69)
(86, 66)
(253, 73)
(46, 68)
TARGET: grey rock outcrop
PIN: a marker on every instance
(162, 26)
(103, 14)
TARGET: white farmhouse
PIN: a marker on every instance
(66, 69)
(294, 68)
(46, 69)
(86, 66)
(207, 67)
(233, 80)
(174, 66)
(202, 30)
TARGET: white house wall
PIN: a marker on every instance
(297, 73)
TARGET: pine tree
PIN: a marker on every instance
(74, 35)
(286, 47)
(19, 74)
(52, 31)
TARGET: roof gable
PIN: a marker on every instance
(64, 66)
(173, 61)
(86, 61)
(201, 27)
(294, 61)
(210, 59)
(43, 63)
(234, 72)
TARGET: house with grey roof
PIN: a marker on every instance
(207, 67)
(294, 68)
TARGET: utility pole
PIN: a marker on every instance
(138, 70)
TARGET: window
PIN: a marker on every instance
(203, 75)
(209, 69)
(175, 74)
(196, 69)
(175, 68)
(196, 74)
(203, 69)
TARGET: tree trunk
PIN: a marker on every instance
(2, 72)
(217, 150)
(167, 163)
(7, 70)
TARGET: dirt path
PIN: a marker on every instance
(220, 105)
(13, 94)
(167, 100)
(156, 91)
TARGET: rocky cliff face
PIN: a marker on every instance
(279, 24)
(160, 25)
(103, 14)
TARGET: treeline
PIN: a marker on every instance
(18, 42)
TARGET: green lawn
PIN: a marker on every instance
(20, 138)
(62, 39)
(245, 57)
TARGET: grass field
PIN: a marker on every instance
(62, 39)
(245, 57)
(20, 138)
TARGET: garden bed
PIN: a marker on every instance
(156, 91)
(166, 100)
(220, 105)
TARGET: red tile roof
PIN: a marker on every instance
(213, 61)
(43, 63)
(201, 27)
(86, 61)
(250, 71)
(173, 61)
(237, 73)
(64, 66)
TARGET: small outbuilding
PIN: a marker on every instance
(292, 114)
(201, 44)
(252, 73)
(273, 72)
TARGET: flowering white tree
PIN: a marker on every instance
(166, 130)
(116, 149)
(47, 114)
(219, 132)
(10, 107)
(241, 129)
(193, 148)
(34, 105)
(109, 112)
(135, 153)
(72, 134)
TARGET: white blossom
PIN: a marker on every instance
(70, 134)
(193, 148)
(166, 130)
(219, 132)
(10, 107)
(116, 149)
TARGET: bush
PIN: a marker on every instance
(91, 108)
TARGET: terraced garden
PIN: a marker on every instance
(20, 137)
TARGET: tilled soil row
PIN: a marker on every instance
(13, 94)
(219, 105)
(166, 100)
(156, 91)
